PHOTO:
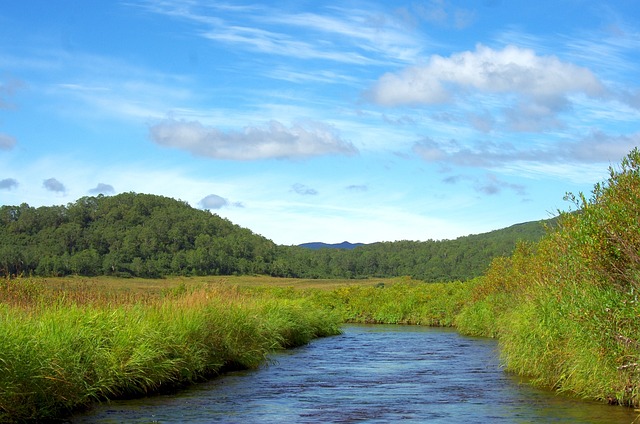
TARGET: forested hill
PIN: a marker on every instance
(127, 234)
(150, 236)
(445, 260)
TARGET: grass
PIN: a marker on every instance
(67, 343)
(65, 349)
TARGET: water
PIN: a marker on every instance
(370, 374)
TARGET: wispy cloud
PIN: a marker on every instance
(488, 184)
(123, 94)
(274, 141)
(596, 147)
(304, 190)
(438, 12)
(311, 76)
(99, 85)
(358, 187)
(345, 35)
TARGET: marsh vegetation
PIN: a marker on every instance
(564, 310)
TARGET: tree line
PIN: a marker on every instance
(147, 235)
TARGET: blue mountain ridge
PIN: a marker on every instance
(318, 245)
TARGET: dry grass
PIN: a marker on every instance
(142, 288)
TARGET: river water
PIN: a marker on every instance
(369, 374)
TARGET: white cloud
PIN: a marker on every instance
(274, 141)
(540, 85)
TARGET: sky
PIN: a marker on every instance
(325, 121)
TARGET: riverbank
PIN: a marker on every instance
(565, 310)
(66, 345)
(439, 377)
(63, 350)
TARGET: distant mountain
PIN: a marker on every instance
(344, 245)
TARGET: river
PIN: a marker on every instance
(369, 374)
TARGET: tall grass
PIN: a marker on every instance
(396, 301)
(566, 310)
(58, 355)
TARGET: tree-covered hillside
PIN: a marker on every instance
(150, 236)
(128, 234)
(445, 260)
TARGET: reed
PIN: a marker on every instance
(396, 301)
(565, 311)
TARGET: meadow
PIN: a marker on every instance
(66, 344)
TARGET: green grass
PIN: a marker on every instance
(67, 344)
(59, 355)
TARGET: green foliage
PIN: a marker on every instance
(461, 259)
(566, 309)
(403, 301)
(139, 235)
(126, 235)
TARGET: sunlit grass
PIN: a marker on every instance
(61, 350)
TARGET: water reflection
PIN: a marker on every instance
(372, 374)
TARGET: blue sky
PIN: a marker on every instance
(320, 121)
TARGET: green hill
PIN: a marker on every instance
(128, 234)
(150, 236)
(444, 260)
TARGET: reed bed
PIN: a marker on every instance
(61, 351)
(566, 310)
